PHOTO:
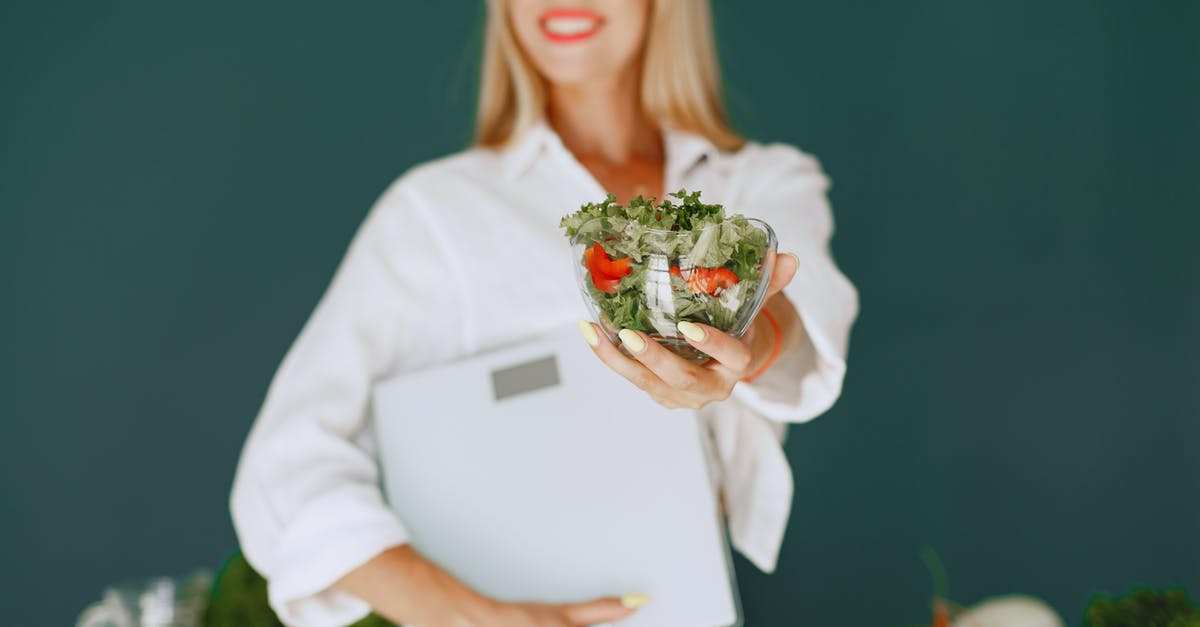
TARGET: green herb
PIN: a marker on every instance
(1144, 608)
(688, 214)
(658, 239)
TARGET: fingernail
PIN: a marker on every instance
(589, 333)
(632, 340)
(793, 255)
(634, 601)
(691, 331)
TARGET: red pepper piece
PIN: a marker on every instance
(710, 281)
(606, 273)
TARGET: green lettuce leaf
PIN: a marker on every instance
(649, 234)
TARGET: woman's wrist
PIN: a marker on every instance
(778, 330)
(765, 345)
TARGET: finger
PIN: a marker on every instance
(631, 369)
(674, 370)
(603, 610)
(783, 272)
(729, 351)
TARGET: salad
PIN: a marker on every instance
(647, 266)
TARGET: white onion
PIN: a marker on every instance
(1011, 611)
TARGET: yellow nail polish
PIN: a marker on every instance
(634, 601)
(691, 331)
(589, 333)
(632, 340)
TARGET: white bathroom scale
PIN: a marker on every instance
(536, 473)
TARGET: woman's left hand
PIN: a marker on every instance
(675, 382)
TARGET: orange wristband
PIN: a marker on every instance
(774, 350)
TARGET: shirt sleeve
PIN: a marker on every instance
(788, 190)
(306, 502)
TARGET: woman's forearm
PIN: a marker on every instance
(402, 586)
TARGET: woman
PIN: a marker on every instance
(613, 95)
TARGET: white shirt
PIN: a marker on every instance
(464, 254)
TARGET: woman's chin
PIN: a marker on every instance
(576, 75)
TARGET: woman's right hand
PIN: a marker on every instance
(404, 587)
(607, 610)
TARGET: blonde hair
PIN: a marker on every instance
(680, 77)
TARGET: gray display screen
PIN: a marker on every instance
(529, 376)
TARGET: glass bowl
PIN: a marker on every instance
(648, 279)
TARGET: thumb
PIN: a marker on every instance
(786, 265)
(603, 610)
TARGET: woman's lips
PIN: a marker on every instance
(566, 25)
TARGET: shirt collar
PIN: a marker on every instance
(684, 149)
(521, 151)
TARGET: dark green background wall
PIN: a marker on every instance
(1016, 190)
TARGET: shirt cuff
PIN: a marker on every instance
(334, 534)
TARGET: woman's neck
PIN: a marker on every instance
(604, 121)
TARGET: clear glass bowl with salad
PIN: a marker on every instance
(647, 265)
